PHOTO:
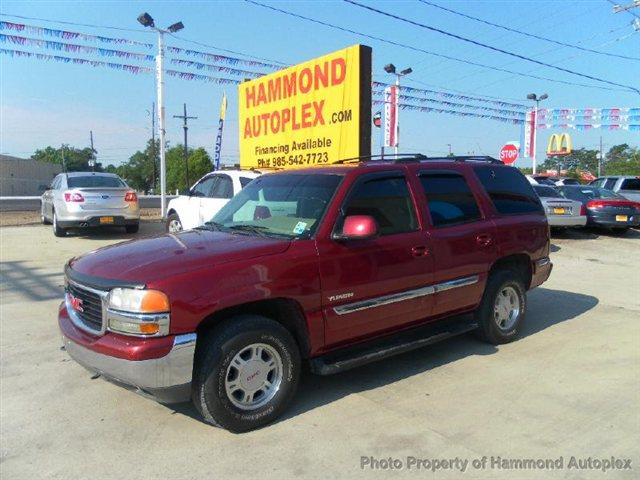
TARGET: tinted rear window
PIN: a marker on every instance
(546, 192)
(95, 181)
(631, 184)
(584, 194)
(508, 189)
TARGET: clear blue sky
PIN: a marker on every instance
(48, 103)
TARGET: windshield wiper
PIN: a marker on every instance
(257, 229)
(210, 226)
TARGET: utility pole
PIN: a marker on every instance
(185, 127)
(449, 145)
(93, 152)
(600, 159)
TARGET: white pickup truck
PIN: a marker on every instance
(207, 196)
(628, 186)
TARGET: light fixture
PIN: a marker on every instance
(176, 27)
(146, 20)
(390, 68)
(406, 71)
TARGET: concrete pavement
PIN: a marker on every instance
(569, 387)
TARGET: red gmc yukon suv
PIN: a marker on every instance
(335, 266)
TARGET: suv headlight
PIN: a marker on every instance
(138, 312)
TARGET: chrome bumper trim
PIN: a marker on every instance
(406, 295)
(172, 370)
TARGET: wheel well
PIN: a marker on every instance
(171, 211)
(519, 262)
(284, 311)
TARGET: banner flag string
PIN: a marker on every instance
(67, 35)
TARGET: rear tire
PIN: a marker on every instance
(502, 309)
(58, 231)
(132, 228)
(246, 372)
(44, 219)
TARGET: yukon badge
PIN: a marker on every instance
(342, 296)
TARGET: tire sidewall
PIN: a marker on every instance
(213, 396)
(490, 329)
(173, 216)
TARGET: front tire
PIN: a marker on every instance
(174, 224)
(58, 231)
(502, 309)
(246, 373)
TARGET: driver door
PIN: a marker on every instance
(191, 217)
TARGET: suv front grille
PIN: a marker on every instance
(91, 305)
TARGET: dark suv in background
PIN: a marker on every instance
(335, 266)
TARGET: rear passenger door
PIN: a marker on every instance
(462, 240)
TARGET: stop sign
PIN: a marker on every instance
(509, 153)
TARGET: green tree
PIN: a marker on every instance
(622, 160)
(199, 163)
(139, 171)
(76, 159)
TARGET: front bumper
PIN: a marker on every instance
(166, 378)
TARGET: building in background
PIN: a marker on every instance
(25, 177)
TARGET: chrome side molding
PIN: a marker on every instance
(406, 295)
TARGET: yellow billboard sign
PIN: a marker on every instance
(314, 113)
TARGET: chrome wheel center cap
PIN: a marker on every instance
(253, 375)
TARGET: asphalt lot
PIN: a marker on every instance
(569, 387)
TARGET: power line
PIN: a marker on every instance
(496, 49)
(416, 49)
(137, 30)
(225, 50)
(627, 11)
(526, 34)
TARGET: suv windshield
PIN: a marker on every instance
(288, 205)
(546, 192)
(95, 181)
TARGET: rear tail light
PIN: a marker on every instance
(73, 197)
(131, 197)
(595, 204)
(583, 210)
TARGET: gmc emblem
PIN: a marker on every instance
(76, 303)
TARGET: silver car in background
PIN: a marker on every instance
(89, 199)
(561, 212)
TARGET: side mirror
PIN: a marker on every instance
(358, 227)
(186, 192)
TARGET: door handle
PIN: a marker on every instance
(419, 251)
(484, 239)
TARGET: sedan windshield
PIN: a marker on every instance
(95, 181)
(289, 205)
(586, 193)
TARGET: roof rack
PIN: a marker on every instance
(419, 157)
(390, 156)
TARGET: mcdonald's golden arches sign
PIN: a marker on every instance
(559, 144)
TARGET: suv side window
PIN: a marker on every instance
(203, 188)
(386, 199)
(508, 189)
(449, 199)
(630, 184)
(222, 188)
(610, 183)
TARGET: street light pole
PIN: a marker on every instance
(147, 21)
(534, 126)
